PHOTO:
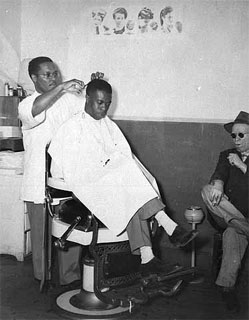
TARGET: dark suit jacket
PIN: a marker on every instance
(235, 181)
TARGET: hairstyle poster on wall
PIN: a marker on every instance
(131, 20)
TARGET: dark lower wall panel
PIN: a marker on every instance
(182, 157)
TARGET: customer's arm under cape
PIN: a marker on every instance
(64, 151)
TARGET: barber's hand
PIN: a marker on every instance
(73, 86)
(97, 75)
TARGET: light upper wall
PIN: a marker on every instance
(10, 41)
(200, 74)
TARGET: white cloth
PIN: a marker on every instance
(96, 162)
(37, 133)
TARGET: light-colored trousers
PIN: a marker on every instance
(234, 244)
(138, 229)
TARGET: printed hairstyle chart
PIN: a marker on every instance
(131, 20)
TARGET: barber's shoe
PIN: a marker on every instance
(72, 285)
(241, 225)
(230, 298)
(181, 237)
(155, 266)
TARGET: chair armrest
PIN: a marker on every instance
(85, 238)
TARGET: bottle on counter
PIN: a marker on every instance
(19, 91)
(11, 91)
(6, 89)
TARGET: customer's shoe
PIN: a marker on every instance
(230, 298)
(155, 266)
(182, 237)
(241, 225)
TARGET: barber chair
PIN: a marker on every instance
(111, 284)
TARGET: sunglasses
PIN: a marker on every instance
(240, 135)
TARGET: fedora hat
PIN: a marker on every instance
(243, 117)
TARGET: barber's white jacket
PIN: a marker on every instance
(37, 133)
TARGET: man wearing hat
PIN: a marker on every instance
(226, 198)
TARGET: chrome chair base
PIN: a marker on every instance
(80, 304)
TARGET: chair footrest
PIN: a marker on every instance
(137, 293)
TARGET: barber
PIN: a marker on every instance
(41, 114)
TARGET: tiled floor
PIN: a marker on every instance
(21, 299)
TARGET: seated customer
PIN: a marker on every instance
(93, 157)
(226, 197)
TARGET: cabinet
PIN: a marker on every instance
(10, 131)
(9, 111)
(14, 226)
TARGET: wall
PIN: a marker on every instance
(199, 75)
(45, 25)
(10, 41)
(182, 156)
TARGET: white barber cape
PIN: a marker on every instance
(96, 162)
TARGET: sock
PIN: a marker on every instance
(146, 254)
(168, 224)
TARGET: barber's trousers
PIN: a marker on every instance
(234, 243)
(68, 261)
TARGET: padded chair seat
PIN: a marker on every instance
(79, 236)
(85, 238)
(58, 190)
(59, 184)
